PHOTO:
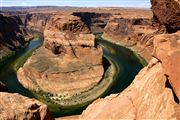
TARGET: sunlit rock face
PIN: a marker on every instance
(17, 107)
(146, 98)
(69, 62)
(135, 33)
(167, 50)
(150, 95)
(167, 12)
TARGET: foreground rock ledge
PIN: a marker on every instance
(17, 107)
(146, 98)
(167, 50)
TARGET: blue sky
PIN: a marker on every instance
(79, 3)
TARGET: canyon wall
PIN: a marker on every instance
(31, 21)
(36, 21)
(12, 35)
(135, 33)
(95, 21)
(150, 96)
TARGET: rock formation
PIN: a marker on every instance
(167, 50)
(36, 21)
(134, 33)
(12, 35)
(149, 96)
(146, 98)
(17, 107)
(68, 63)
(167, 12)
(95, 21)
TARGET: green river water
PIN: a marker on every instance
(124, 63)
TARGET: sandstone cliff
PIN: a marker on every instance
(36, 21)
(148, 96)
(135, 33)
(31, 21)
(95, 21)
(12, 35)
(167, 50)
(68, 63)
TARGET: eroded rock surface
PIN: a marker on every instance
(35, 21)
(95, 21)
(134, 33)
(12, 35)
(167, 50)
(167, 12)
(17, 107)
(67, 63)
(146, 98)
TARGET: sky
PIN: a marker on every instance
(78, 3)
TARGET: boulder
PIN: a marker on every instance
(17, 107)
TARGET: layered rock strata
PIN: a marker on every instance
(68, 63)
(17, 107)
(35, 21)
(95, 21)
(12, 35)
(134, 33)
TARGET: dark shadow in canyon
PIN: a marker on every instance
(168, 85)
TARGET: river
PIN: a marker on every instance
(121, 66)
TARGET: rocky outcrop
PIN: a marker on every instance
(11, 32)
(95, 21)
(146, 98)
(166, 12)
(72, 63)
(31, 21)
(134, 33)
(17, 107)
(36, 21)
(167, 50)
(12, 35)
